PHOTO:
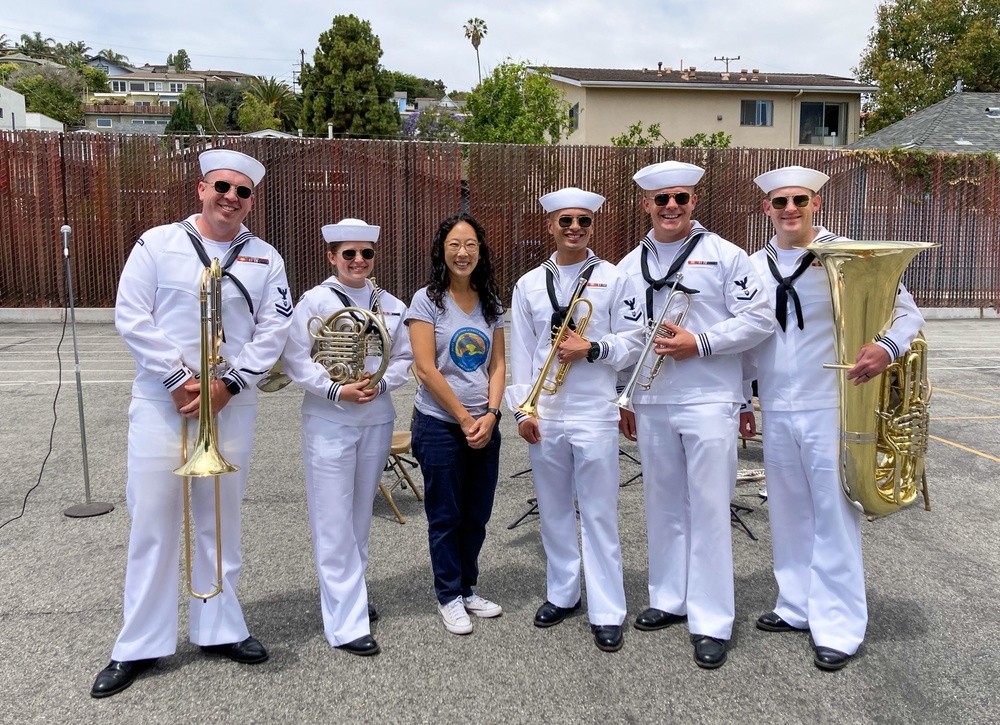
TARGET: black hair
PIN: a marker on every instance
(482, 276)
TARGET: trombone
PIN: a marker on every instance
(530, 406)
(653, 331)
(206, 460)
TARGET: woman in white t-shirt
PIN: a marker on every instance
(346, 432)
(456, 332)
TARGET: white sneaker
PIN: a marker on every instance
(456, 619)
(482, 607)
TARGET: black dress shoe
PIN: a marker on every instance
(364, 646)
(830, 659)
(248, 652)
(653, 619)
(549, 615)
(608, 637)
(771, 622)
(709, 652)
(372, 614)
(117, 676)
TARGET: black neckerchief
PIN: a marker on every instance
(786, 287)
(346, 301)
(655, 285)
(235, 247)
(559, 311)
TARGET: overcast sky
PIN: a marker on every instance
(426, 39)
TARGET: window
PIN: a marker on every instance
(136, 86)
(176, 87)
(104, 123)
(574, 116)
(156, 85)
(823, 124)
(756, 113)
(141, 103)
(119, 86)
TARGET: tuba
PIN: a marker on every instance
(341, 343)
(206, 460)
(542, 385)
(883, 428)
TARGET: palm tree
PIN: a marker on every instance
(475, 30)
(36, 45)
(116, 58)
(277, 95)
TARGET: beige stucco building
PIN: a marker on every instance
(759, 110)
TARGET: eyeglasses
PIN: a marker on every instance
(350, 254)
(223, 187)
(566, 221)
(800, 200)
(470, 245)
(681, 197)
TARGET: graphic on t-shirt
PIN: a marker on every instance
(469, 348)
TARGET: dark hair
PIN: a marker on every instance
(482, 276)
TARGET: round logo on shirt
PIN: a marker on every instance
(469, 348)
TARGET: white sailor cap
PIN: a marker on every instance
(350, 230)
(234, 161)
(571, 198)
(791, 176)
(667, 174)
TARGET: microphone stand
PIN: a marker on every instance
(89, 508)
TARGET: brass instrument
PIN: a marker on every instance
(206, 460)
(883, 444)
(342, 341)
(654, 330)
(530, 406)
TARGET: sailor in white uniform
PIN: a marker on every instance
(573, 440)
(816, 534)
(346, 431)
(686, 423)
(158, 314)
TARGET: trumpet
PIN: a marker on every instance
(206, 460)
(653, 331)
(530, 406)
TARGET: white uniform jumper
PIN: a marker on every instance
(687, 425)
(158, 315)
(816, 533)
(344, 448)
(578, 451)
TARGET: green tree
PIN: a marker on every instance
(276, 94)
(717, 140)
(433, 124)
(346, 85)
(475, 31)
(55, 92)
(224, 99)
(209, 114)
(95, 80)
(516, 104)
(919, 49)
(71, 54)
(417, 87)
(180, 60)
(36, 45)
(255, 115)
(5, 44)
(6, 71)
(116, 58)
(652, 135)
(181, 120)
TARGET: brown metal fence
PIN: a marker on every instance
(110, 188)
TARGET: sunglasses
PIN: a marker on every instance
(800, 200)
(681, 197)
(223, 187)
(566, 221)
(350, 254)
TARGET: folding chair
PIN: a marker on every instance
(396, 464)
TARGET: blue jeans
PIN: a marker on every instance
(459, 484)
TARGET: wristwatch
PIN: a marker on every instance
(496, 412)
(233, 387)
(595, 351)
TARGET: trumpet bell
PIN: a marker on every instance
(206, 461)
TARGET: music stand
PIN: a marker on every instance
(735, 510)
(622, 452)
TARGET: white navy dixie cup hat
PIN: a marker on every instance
(791, 176)
(571, 198)
(350, 230)
(234, 161)
(667, 174)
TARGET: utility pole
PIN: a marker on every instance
(726, 60)
(302, 64)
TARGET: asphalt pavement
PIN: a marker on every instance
(930, 655)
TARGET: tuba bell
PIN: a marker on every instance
(883, 428)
